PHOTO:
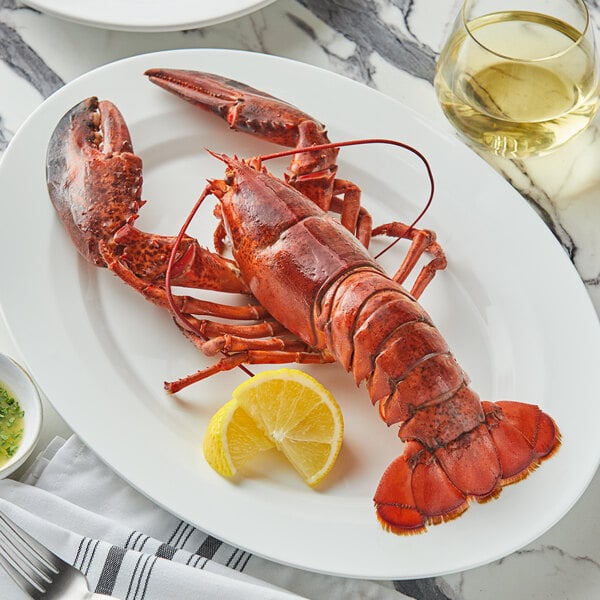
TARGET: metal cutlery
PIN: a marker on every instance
(38, 571)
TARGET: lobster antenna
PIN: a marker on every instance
(360, 143)
(180, 318)
(178, 314)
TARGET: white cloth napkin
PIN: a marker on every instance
(131, 548)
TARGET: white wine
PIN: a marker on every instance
(535, 91)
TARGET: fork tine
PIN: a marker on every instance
(28, 563)
(29, 586)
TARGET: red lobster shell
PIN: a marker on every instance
(321, 296)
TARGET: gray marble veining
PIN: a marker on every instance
(26, 63)
(362, 23)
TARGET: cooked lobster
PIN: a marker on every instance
(303, 243)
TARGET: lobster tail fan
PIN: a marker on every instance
(394, 500)
(426, 486)
(471, 463)
(414, 492)
(524, 436)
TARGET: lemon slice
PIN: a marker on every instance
(232, 439)
(285, 408)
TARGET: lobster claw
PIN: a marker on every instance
(90, 158)
(266, 117)
(243, 107)
(95, 184)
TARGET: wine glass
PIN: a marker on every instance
(519, 77)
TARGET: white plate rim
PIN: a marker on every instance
(382, 565)
(177, 15)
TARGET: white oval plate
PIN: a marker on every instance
(101, 353)
(148, 15)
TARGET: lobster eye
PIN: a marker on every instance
(229, 176)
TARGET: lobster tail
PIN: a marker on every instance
(427, 484)
(458, 448)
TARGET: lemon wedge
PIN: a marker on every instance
(286, 409)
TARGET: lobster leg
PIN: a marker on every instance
(364, 221)
(422, 241)
(236, 342)
(247, 357)
(211, 329)
(232, 343)
(352, 215)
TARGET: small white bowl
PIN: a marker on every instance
(20, 385)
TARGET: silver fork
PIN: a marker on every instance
(37, 570)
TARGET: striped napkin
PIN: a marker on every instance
(130, 548)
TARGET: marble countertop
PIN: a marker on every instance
(390, 45)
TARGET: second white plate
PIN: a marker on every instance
(148, 15)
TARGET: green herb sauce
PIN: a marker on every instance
(11, 425)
